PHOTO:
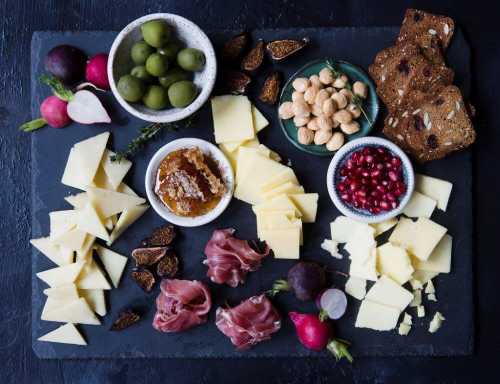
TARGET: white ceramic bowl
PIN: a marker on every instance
(341, 156)
(207, 148)
(120, 63)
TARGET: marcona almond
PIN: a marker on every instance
(321, 96)
(300, 84)
(285, 110)
(314, 79)
(347, 93)
(340, 99)
(350, 128)
(310, 94)
(360, 89)
(321, 137)
(296, 96)
(316, 110)
(354, 110)
(300, 121)
(343, 116)
(326, 76)
(305, 136)
(335, 142)
(313, 124)
(329, 107)
(300, 108)
(325, 123)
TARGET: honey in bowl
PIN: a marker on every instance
(189, 183)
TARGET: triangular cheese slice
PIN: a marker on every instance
(124, 188)
(84, 160)
(56, 277)
(96, 300)
(65, 334)
(63, 292)
(73, 239)
(101, 180)
(127, 218)
(92, 277)
(77, 312)
(61, 222)
(58, 255)
(108, 203)
(87, 245)
(52, 304)
(89, 221)
(115, 170)
(78, 201)
(113, 262)
(259, 121)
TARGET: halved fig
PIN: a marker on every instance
(169, 266)
(271, 88)
(234, 82)
(144, 279)
(125, 319)
(160, 237)
(149, 256)
(253, 59)
(233, 49)
(281, 49)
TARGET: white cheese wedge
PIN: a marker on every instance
(417, 298)
(92, 277)
(343, 227)
(356, 287)
(376, 316)
(115, 170)
(387, 292)
(393, 261)
(285, 243)
(307, 203)
(404, 329)
(279, 203)
(86, 247)
(108, 203)
(288, 188)
(233, 120)
(56, 254)
(66, 274)
(424, 276)
(78, 200)
(50, 305)
(286, 176)
(124, 188)
(384, 226)
(109, 223)
(128, 217)
(436, 322)
(114, 263)
(361, 245)
(419, 238)
(96, 300)
(440, 258)
(420, 311)
(76, 312)
(74, 239)
(419, 205)
(65, 334)
(365, 270)
(259, 120)
(437, 189)
(90, 222)
(61, 222)
(84, 160)
(66, 292)
(332, 247)
(101, 180)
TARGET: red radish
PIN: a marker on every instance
(312, 332)
(85, 108)
(96, 71)
(54, 113)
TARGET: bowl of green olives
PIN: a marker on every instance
(162, 68)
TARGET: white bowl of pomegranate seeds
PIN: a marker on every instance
(370, 179)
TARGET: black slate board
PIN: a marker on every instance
(50, 148)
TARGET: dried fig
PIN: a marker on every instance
(169, 266)
(125, 319)
(233, 49)
(234, 82)
(271, 88)
(253, 59)
(144, 279)
(149, 256)
(160, 237)
(281, 49)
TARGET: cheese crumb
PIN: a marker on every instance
(420, 311)
(436, 322)
(417, 298)
(416, 284)
(430, 287)
(407, 319)
(332, 247)
(431, 297)
(404, 329)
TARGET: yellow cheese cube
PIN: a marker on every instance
(376, 316)
(288, 175)
(233, 120)
(436, 189)
(278, 220)
(394, 262)
(307, 203)
(387, 292)
(278, 203)
(287, 188)
(285, 243)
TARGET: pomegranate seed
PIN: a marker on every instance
(380, 166)
(360, 193)
(341, 187)
(375, 174)
(345, 197)
(393, 176)
(384, 205)
(396, 161)
(390, 197)
(365, 181)
(365, 174)
(367, 151)
(381, 189)
(394, 204)
(375, 210)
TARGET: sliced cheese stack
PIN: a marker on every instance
(279, 202)
(416, 252)
(103, 211)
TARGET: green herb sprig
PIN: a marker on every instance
(356, 100)
(57, 87)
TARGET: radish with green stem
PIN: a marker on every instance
(53, 112)
(332, 304)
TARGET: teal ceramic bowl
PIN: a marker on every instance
(354, 73)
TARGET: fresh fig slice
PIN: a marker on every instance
(271, 88)
(254, 59)
(235, 82)
(168, 266)
(233, 49)
(144, 279)
(160, 237)
(149, 256)
(281, 49)
(125, 319)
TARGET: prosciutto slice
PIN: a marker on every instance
(230, 259)
(182, 304)
(252, 321)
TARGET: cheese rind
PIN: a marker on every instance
(65, 334)
(233, 119)
(437, 189)
(376, 316)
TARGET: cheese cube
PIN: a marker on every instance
(417, 298)
(279, 203)
(419, 206)
(387, 292)
(436, 322)
(356, 287)
(259, 120)
(285, 243)
(233, 119)
(439, 190)
(288, 175)
(288, 188)
(419, 238)
(307, 203)
(394, 262)
(343, 227)
(384, 226)
(404, 329)
(376, 316)
(420, 311)
(407, 319)
(65, 334)
(440, 258)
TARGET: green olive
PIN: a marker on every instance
(182, 93)
(131, 88)
(191, 59)
(157, 65)
(170, 50)
(156, 33)
(140, 72)
(174, 75)
(155, 97)
(140, 52)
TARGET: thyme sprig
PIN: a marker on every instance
(356, 100)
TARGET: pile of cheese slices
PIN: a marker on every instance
(104, 210)
(279, 201)
(415, 253)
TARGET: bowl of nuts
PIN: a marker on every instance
(325, 104)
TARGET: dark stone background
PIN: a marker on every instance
(18, 19)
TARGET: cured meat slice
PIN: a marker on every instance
(252, 321)
(230, 259)
(182, 304)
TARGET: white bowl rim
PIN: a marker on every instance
(339, 156)
(150, 179)
(202, 97)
